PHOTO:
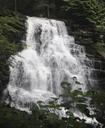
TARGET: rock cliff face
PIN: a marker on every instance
(96, 52)
(98, 73)
(98, 60)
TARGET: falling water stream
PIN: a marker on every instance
(50, 56)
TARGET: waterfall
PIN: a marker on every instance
(50, 56)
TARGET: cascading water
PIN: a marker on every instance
(50, 57)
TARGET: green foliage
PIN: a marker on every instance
(44, 115)
(99, 46)
(75, 100)
(11, 118)
(87, 20)
(11, 31)
(98, 103)
(90, 103)
(88, 11)
(12, 27)
(6, 49)
(43, 8)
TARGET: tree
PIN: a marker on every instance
(87, 10)
(15, 1)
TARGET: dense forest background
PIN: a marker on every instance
(86, 22)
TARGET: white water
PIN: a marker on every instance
(50, 56)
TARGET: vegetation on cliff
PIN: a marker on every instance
(44, 115)
(11, 31)
(87, 22)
